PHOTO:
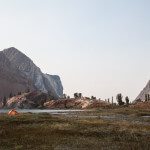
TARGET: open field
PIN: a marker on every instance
(122, 128)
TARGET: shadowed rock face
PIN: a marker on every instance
(11, 79)
(19, 68)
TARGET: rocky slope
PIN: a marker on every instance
(146, 90)
(18, 72)
(27, 100)
(141, 105)
(76, 104)
(38, 99)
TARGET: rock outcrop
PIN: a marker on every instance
(76, 104)
(18, 72)
(27, 100)
(145, 91)
(38, 99)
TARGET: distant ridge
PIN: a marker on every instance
(146, 90)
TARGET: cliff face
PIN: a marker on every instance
(146, 90)
(53, 83)
(22, 68)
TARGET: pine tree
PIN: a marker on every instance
(119, 98)
(10, 95)
(4, 101)
(127, 100)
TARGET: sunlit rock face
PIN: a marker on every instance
(29, 100)
(145, 91)
(76, 104)
(53, 83)
(23, 67)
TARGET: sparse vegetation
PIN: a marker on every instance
(77, 95)
(10, 95)
(83, 130)
(93, 97)
(4, 101)
(19, 93)
(119, 98)
(68, 97)
(127, 100)
(147, 97)
(64, 96)
(27, 90)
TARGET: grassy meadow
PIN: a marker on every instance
(101, 129)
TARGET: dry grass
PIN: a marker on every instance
(46, 132)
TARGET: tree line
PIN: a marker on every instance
(119, 98)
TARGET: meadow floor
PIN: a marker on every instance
(102, 129)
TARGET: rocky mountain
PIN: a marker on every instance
(11, 79)
(145, 91)
(18, 72)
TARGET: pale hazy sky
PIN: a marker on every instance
(98, 47)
